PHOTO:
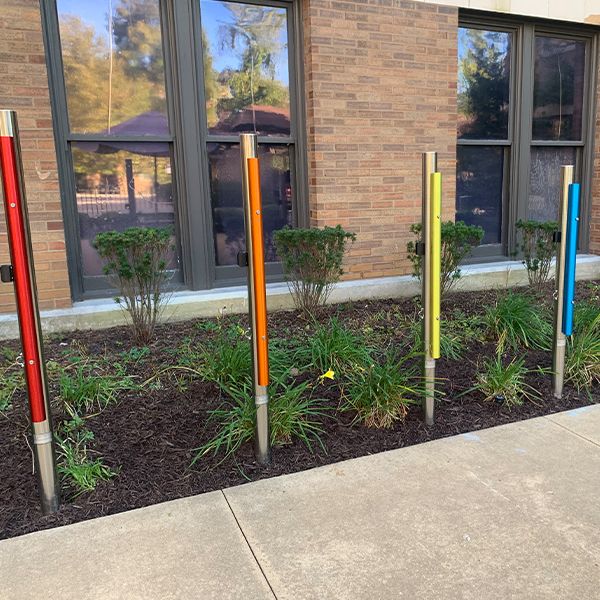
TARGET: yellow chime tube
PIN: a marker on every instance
(435, 252)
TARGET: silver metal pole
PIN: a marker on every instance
(262, 447)
(560, 340)
(23, 275)
(429, 167)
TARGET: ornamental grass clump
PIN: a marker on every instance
(539, 248)
(515, 322)
(78, 468)
(582, 363)
(505, 384)
(334, 347)
(452, 340)
(380, 393)
(12, 379)
(86, 390)
(294, 414)
(458, 239)
(136, 264)
(312, 262)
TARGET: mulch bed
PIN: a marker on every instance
(151, 437)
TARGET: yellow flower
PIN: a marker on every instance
(328, 375)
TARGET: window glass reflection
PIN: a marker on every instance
(544, 181)
(246, 79)
(479, 177)
(483, 84)
(113, 66)
(558, 89)
(121, 185)
(226, 198)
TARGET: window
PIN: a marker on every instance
(522, 113)
(557, 119)
(247, 90)
(484, 128)
(150, 97)
(118, 132)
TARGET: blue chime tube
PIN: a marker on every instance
(570, 258)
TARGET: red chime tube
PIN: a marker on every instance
(21, 273)
(13, 208)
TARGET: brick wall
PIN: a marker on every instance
(380, 80)
(24, 88)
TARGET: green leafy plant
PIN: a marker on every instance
(334, 347)
(381, 393)
(505, 384)
(83, 389)
(582, 362)
(312, 262)
(458, 239)
(134, 355)
(516, 322)
(136, 264)
(538, 248)
(78, 469)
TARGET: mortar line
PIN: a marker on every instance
(548, 418)
(249, 546)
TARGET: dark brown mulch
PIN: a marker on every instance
(151, 437)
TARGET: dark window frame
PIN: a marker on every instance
(181, 37)
(516, 192)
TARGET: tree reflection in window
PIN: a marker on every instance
(483, 84)
(246, 81)
(113, 62)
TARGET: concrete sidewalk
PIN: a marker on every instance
(509, 512)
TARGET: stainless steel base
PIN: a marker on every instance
(45, 466)
(262, 441)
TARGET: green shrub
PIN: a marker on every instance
(582, 363)
(77, 468)
(515, 322)
(458, 239)
(538, 248)
(505, 383)
(334, 347)
(312, 262)
(381, 393)
(136, 264)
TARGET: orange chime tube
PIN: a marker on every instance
(258, 272)
(254, 260)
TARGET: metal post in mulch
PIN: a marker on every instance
(254, 260)
(565, 273)
(430, 250)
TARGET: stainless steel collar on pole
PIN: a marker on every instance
(249, 149)
(429, 167)
(560, 340)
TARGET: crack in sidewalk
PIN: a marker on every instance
(249, 546)
(579, 435)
